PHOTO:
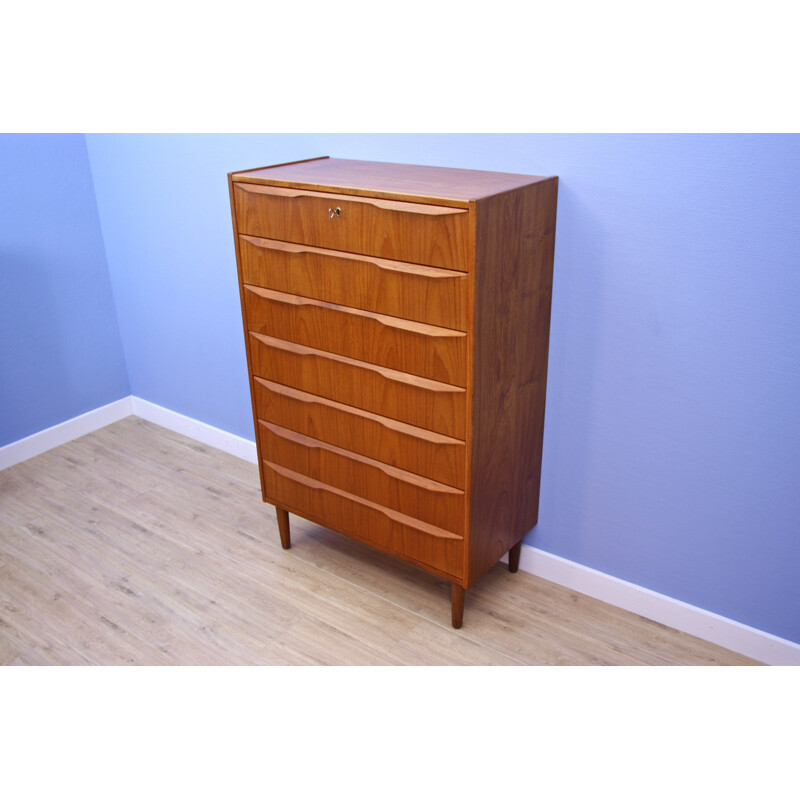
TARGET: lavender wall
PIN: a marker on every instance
(60, 349)
(672, 441)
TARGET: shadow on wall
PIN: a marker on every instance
(575, 335)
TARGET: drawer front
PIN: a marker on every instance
(423, 294)
(420, 498)
(422, 234)
(418, 401)
(414, 347)
(361, 519)
(422, 452)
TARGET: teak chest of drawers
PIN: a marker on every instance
(396, 322)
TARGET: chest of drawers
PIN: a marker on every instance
(396, 322)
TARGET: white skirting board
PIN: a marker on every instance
(714, 628)
(41, 442)
(64, 432)
(695, 621)
(199, 431)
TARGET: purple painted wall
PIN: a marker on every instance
(60, 349)
(672, 436)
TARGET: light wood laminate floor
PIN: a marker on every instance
(135, 545)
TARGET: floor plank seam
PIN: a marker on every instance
(183, 528)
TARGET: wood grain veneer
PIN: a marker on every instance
(437, 185)
(399, 534)
(515, 241)
(414, 449)
(410, 291)
(405, 345)
(421, 498)
(415, 232)
(424, 403)
(396, 323)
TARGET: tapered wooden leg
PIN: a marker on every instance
(283, 527)
(457, 604)
(513, 557)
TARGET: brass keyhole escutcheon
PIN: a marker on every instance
(334, 212)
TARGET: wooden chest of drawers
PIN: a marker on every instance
(396, 322)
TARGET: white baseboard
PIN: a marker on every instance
(41, 442)
(721, 631)
(736, 636)
(64, 432)
(199, 431)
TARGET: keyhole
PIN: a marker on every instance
(334, 212)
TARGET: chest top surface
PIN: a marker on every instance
(388, 180)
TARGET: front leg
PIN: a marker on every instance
(456, 604)
(283, 527)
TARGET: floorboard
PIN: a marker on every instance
(135, 545)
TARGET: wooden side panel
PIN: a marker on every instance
(416, 450)
(414, 347)
(418, 401)
(533, 340)
(409, 291)
(515, 237)
(412, 495)
(422, 234)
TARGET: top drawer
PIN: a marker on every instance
(422, 234)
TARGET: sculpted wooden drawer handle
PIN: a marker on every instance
(387, 205)
(381, 263)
